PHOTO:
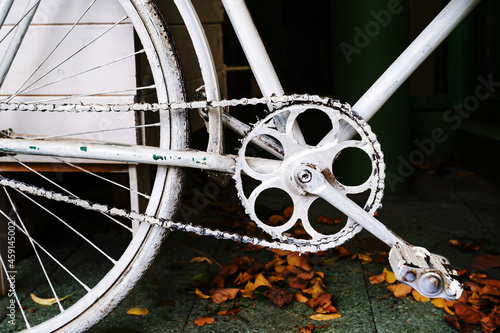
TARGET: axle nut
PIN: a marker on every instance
(305, 176)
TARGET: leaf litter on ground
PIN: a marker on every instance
(289, 277)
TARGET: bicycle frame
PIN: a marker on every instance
(268, 80)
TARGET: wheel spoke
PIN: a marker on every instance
(70, 227)
(47, 253)
(13, 288)
(96, 132)
(99, 93)
(76, 74)
(42, 266)
(76, 52)
(20, 90)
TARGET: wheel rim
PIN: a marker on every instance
(113, 286)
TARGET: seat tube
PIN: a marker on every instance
(254, 50)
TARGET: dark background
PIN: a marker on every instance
(303, 41)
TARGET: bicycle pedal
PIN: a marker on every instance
(430, 274)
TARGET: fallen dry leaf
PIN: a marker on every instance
(467, 313)
(441, 303)
(199, 294)
(343, 252)
(276, 219)
(229, 312)
(320, 316)
(301, 298)
(223, 294)
(242, 278)
(400, 290)
(137, 311)
(449, 311)
(307, 329)
(297, 283)
(389, 276)
(278, 296)
(377, 279)
(365, 258)
(48, 301)
(288, 212)
(458, 324)
(229, 269)
(484, 261)
(247, 292)
(295, 259)
(201, 259)
(316, 289)
(419, 297)
(260, 280)
(204, 321)
(327, 220)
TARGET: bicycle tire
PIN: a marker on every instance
(167, 188)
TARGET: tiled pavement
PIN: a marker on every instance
(437, 209)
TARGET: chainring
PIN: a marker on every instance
(278, 174)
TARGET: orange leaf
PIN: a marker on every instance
(242, 278)
(325, 316)
(316, 289)
(486, 261)
(488, 324)
(288, 212)
(307, 329)
(260, 280)
(326, 220)
(247, 292)
(278, 296)
(223, 294)
(298, 260)
(419, 297)
(276, 219)
(201, 259)
(449, 311)
(363, 257)
(229, 312)
(342, 251)
(137, 311)
(200, 294)
(308, 275)
(297, 283)
(489, 290)
(377, 279)
(467, 313)
(389, 276)
(400, 290)
(228, 269)
(441, 303)
(204, 321)
(301, 298)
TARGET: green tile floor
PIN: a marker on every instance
(437, 209)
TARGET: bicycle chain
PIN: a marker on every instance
(155, 107)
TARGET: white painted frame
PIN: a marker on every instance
(266, 76)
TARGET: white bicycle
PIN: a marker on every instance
(157, 139)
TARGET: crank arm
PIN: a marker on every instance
(430, 274)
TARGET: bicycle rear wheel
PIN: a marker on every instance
(52, 66)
